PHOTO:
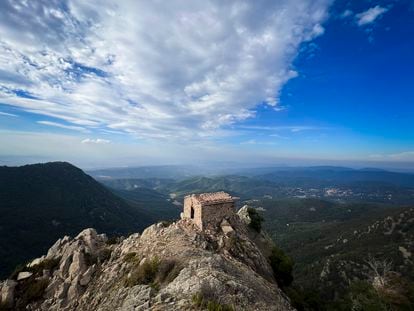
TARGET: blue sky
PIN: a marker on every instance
(293, 82)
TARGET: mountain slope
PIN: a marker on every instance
(161, 171)
(150, 202)
(168, 267)
(332, 244)
(342, 253)
(242, 186)
(41, 202)
(328, 176)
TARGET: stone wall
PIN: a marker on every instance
(207, 214)
(190, 202)
(213, 214)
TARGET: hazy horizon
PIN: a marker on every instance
(217, 166)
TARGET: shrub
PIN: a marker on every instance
(255, 219)
(144, 273)
(207, 299)
(168, 270)
(37, 270)
(112, 240)
(398, 292)
(46, 264)
(215, 306)
(282, 266)
(153, 272)
(305, 299)
(211, 305)
(363, 296)
(131, 258)
(166, 223)
(197, 300)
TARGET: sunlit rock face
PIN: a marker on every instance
(173, 266)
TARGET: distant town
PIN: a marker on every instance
(342, 194)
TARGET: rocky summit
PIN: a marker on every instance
(170, 266)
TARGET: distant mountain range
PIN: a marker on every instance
(338, 184)
(40, 203)
(143, 172)
(319, 175)
(335, 177)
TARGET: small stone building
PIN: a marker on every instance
(207, 210)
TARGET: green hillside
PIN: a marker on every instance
(331, 244)
(41, 203)
(151, 203)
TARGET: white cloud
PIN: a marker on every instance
(67, 127)
(291, 128)
(8, 114)
(153, 69)
(280, 108)
(95, 141)
(370, 15)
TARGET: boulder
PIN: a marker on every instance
(152, 230)
(36, 261)
(86, 277)
(92, 240)
(7, 293)
(243, 213)
(24, 275)
(226, 227)
(78, 265)
(64, 266)
(54, 250)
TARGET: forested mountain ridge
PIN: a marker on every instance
(335, 247)
(40, 203)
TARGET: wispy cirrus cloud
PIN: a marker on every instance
(291, 128)
(152, 69)
(370, 15)
(63, 126)
(8, 114)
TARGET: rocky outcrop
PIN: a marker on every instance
(244, 214)
(167, 267)
(7, 293)
(24, 275)
(262, 240)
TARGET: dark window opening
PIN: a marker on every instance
(192, 212)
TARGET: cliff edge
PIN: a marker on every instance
(170, 266)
